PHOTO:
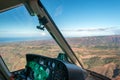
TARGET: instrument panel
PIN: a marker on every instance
(49, 69)
(44, 68)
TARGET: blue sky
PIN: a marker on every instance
(75, 18)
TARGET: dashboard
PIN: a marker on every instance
(44, 68)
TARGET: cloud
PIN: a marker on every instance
(92, 32)
(58, 11)
(95, 29)
(86, 33)
(116, 31)
(22, 34)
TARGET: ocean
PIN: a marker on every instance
(13, 39)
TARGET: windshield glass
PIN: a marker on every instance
(19, 36)
(92, 29)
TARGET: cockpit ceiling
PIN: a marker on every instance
(8, 4)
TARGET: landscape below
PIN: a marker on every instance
(100, 54)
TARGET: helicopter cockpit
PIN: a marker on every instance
(38, 65)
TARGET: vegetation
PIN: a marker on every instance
(94, 61)
(93, 51)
